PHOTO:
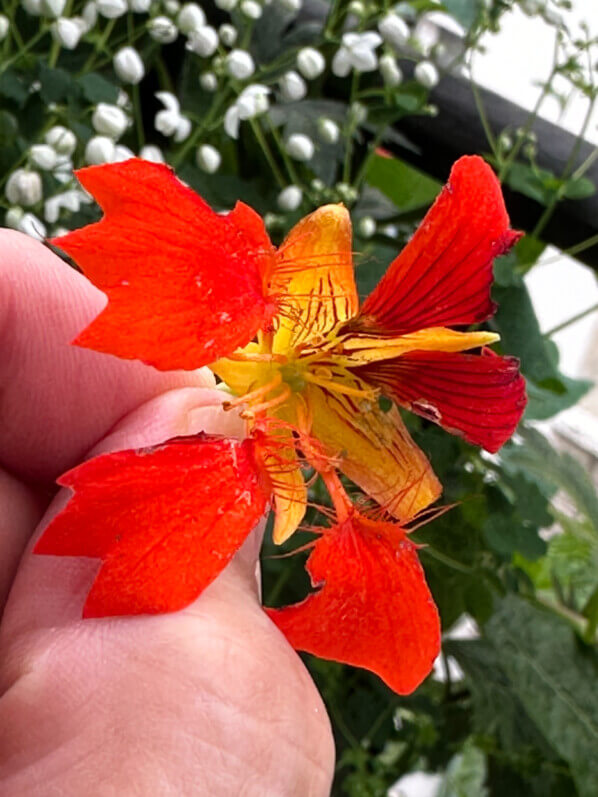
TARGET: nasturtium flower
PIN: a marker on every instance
(283, 328)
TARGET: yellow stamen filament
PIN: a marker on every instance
(283, 396)
(338, 387)
(258, 393)
(255, 357)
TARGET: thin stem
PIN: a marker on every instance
(573, 320)
(100, 45)
(447, 560)
(350, 130)
(283, 153)
(31, 43)
(261, 140)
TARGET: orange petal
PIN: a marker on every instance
(184, 284)
(376, 451)
(164, 520)
(479, 397)
(444, 274)
(373, 608)
(314, 274)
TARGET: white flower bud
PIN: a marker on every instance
(162, 29)
(357, 8)
(208, 158)
(69, 200)
(300, 147)
(33, 7)
(32, 226)
(346, 192)
(232, 120)
(183, 129)
(291, 5)
(23, 187)
(239, 64)
(390, 71)
(292, 86)
(89, 15)
(172, 7)
(52, 8)
(112, 9)
(394, 30)
(128, 65)
(391, 230)
(310, 62)
(290, 198)
(151, 153)
(366, 227)
(109, 120)
(190, 17)
(4, 25)
(43, 156)
(140, 6)
(122, 153)
(225, 5)
(554, 17)
(67, 32)
(228, 34)
(99, 149)
(251, 9)
(203, 41)
(208, 81)
(358, 113)
(426, 74)
(62, 140)
(531, 7)
(13, 217)
(253, 101)
(328, 130)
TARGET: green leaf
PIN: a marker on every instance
(465, 11)
(97, 89)
(14, 87)
(555, 679)
(466, 774)
(407, 187)
(8, 127)
(580, 188)
(545, 402)
(57, 85)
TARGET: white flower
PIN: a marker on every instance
(4, 25)
(170, 121)
(128, 65)
(99, 149)
(346, 192)
(292, 86)
(291, 5)
(366, 227)
(300, 147)
(109, 120)
(89, 15)
(43, 156)
(328, 130)
(225, 5)
(228, 34)
(151, 153)
(390, 71)
(358, 113)
(426, 74)
(23, 187)
(394, 30)
(112, 9)
(13, 217)
(63, 169)
(67, 32)
(531, 7)
(122, 153)
(251, 102)
(208, 81)
(190, 17)
(162, 29)
(61, 139)
(232, 121)
(172, 7)
(31, 225)
(140, 6)
(53, 8)
(290, 198)
(356, 52)
(208, 158)
(203, 41)
(310, 62)
(33, 7)
(70, 200)
(239, 64)
(251, 9)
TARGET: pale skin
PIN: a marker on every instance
(207, 701)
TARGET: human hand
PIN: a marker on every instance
(209, 700)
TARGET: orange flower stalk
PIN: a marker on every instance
(282, 327)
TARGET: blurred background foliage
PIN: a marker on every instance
(245, 111)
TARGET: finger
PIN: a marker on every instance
(58, 400)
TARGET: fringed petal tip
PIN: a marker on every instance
(373, 608)
(165, 521)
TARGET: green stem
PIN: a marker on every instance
(261, 140)
(447, 560)
(31, 43)
(284, 154)
(351, 128)
(100, 45)
(573, 320)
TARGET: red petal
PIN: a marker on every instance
(374, 609)
(444, 274)
(479, 397)
(184, 284)
(165, 521)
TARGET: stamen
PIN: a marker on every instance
(255, 394)
(268, 405)
(257, 358)
(338, 387)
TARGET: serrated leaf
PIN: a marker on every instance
(555, 680)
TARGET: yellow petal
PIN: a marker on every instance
(290, 496)
(362, 349)
(376, 452)
(242, 376)
(314, 274)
